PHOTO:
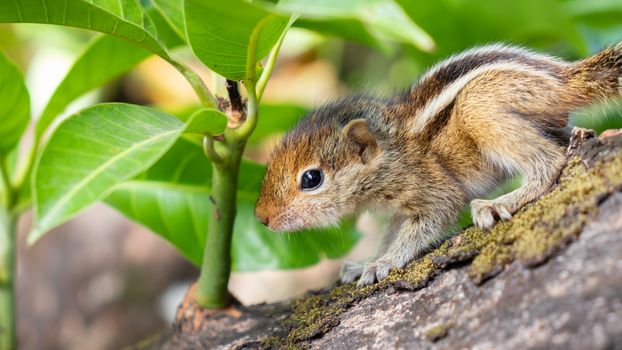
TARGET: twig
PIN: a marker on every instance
(234, 96)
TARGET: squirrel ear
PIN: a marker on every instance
(357, 132)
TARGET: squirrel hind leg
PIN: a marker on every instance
(539, 162)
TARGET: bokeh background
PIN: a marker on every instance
(103, 282)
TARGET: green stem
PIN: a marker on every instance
(270, 62)
(25, 166)
(211, 289)
(8, 326)
(212, 285)
(210, 150)
(198, 85)
(5, 181)
(252, 111)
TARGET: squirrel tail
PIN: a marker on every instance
(598, 77)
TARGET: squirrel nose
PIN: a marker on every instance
(264, 220)
(262, 217)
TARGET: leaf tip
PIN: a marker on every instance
(34, 235)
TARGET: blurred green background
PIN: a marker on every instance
(84, 288)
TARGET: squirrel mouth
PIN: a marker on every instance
(285, 222)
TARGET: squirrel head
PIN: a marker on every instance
(322, 170)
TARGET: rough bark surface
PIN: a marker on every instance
(550, 278)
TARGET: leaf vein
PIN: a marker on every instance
(97, 171)
(19, 10)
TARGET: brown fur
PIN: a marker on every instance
(467, 125)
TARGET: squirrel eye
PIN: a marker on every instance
(311, 179)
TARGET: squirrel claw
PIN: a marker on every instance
(350, 271)
(486, 212)
(368, 273)
(376, 271)
(368, 277)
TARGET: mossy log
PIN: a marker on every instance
(549, 278)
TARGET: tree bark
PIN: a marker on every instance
(550, 278)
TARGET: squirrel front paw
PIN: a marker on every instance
(368, 272)
(378, 270)
(486, 212)
(375, 271)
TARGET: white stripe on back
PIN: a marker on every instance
(449, 93)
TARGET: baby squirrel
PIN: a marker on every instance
(469, 123)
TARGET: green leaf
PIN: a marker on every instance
(585, 8)
(167, 31)
(386, 19)
(351, 29)
(221, 33)
(104, 60)
(255, 248)
(15, 106)
(275, 119)
(173, 11)
(463, 24)
(172, 199)
(325, 8)
(371, 22)
(91, 152)
(599, 116)
(125, 19)
(206, 121)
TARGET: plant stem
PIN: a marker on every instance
(210, 150)
(267, 71)
(212, 289)
(252, 110)
(8, 326)
(212, 285)
(198, 85)
(270, 62)
(5, 181)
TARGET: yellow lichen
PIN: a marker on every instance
(437, 332)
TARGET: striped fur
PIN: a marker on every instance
(437, 103)
(466, 125)
(444, 73)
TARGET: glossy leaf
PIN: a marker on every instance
(256, 248)
(325, 8)
(173, 11)
(536, 23)
(172, 199)
(15, 106)
(167, 32)
(104, 60)
(125, 19)
(370, 22)
(350, 29)
(207, 121)
(388, 20)
(220, 34)
(91, 152)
